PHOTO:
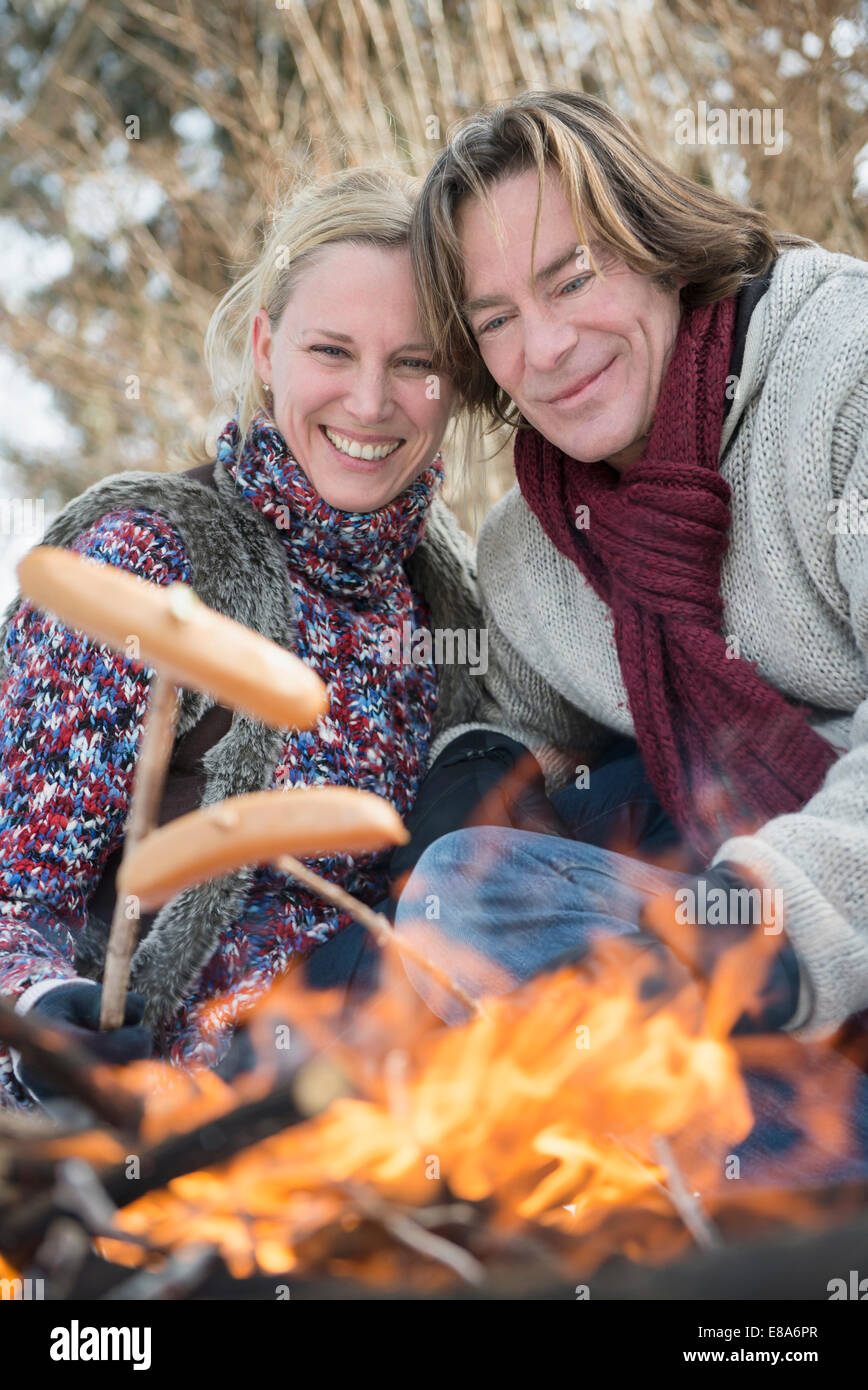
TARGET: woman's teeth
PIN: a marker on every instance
(361, 451)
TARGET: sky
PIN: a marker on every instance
(31, 419)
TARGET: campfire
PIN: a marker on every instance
(584, 1123)
(571, 1123)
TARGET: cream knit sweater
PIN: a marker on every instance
(795, 589)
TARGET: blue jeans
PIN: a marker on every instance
(620, 808)
(521, 901)
(499, 906)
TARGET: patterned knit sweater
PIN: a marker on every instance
(72, 711)
(794, 582)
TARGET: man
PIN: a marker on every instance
(677, 561)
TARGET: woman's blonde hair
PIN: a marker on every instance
(657, 221)
(371, 206)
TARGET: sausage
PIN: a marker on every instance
(255, 829)
(189, 643)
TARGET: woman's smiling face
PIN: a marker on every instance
(350, 370)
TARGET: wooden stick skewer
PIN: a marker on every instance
(378, 925)
(686, 1204)
(153, 761)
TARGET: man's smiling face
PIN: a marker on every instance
(583, 358)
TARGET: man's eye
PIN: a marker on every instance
(492, 323)
(577, 280)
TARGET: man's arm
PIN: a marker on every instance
(818, 857)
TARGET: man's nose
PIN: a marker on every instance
(547, 341)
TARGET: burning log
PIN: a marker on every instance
(788, 1266)
(521, 1120)
(368, 1229)
(215, 1140)
(758, 1263)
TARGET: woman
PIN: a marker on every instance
(318, 525)
(677, 562)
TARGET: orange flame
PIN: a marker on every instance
(549, 1109)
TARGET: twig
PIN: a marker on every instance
(408, 1231)
(182, 1274)
(454, 1213)
(216, 1140)
(78, 1190)
(63, 1253)
(694, 1218)
(153, 760)
(691, 1213)
(378, 925)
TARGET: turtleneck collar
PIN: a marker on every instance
(347, 553)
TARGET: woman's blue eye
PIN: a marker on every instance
(417, 363)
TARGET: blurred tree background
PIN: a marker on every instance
(141, 142)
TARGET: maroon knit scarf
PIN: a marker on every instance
(724, 750)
